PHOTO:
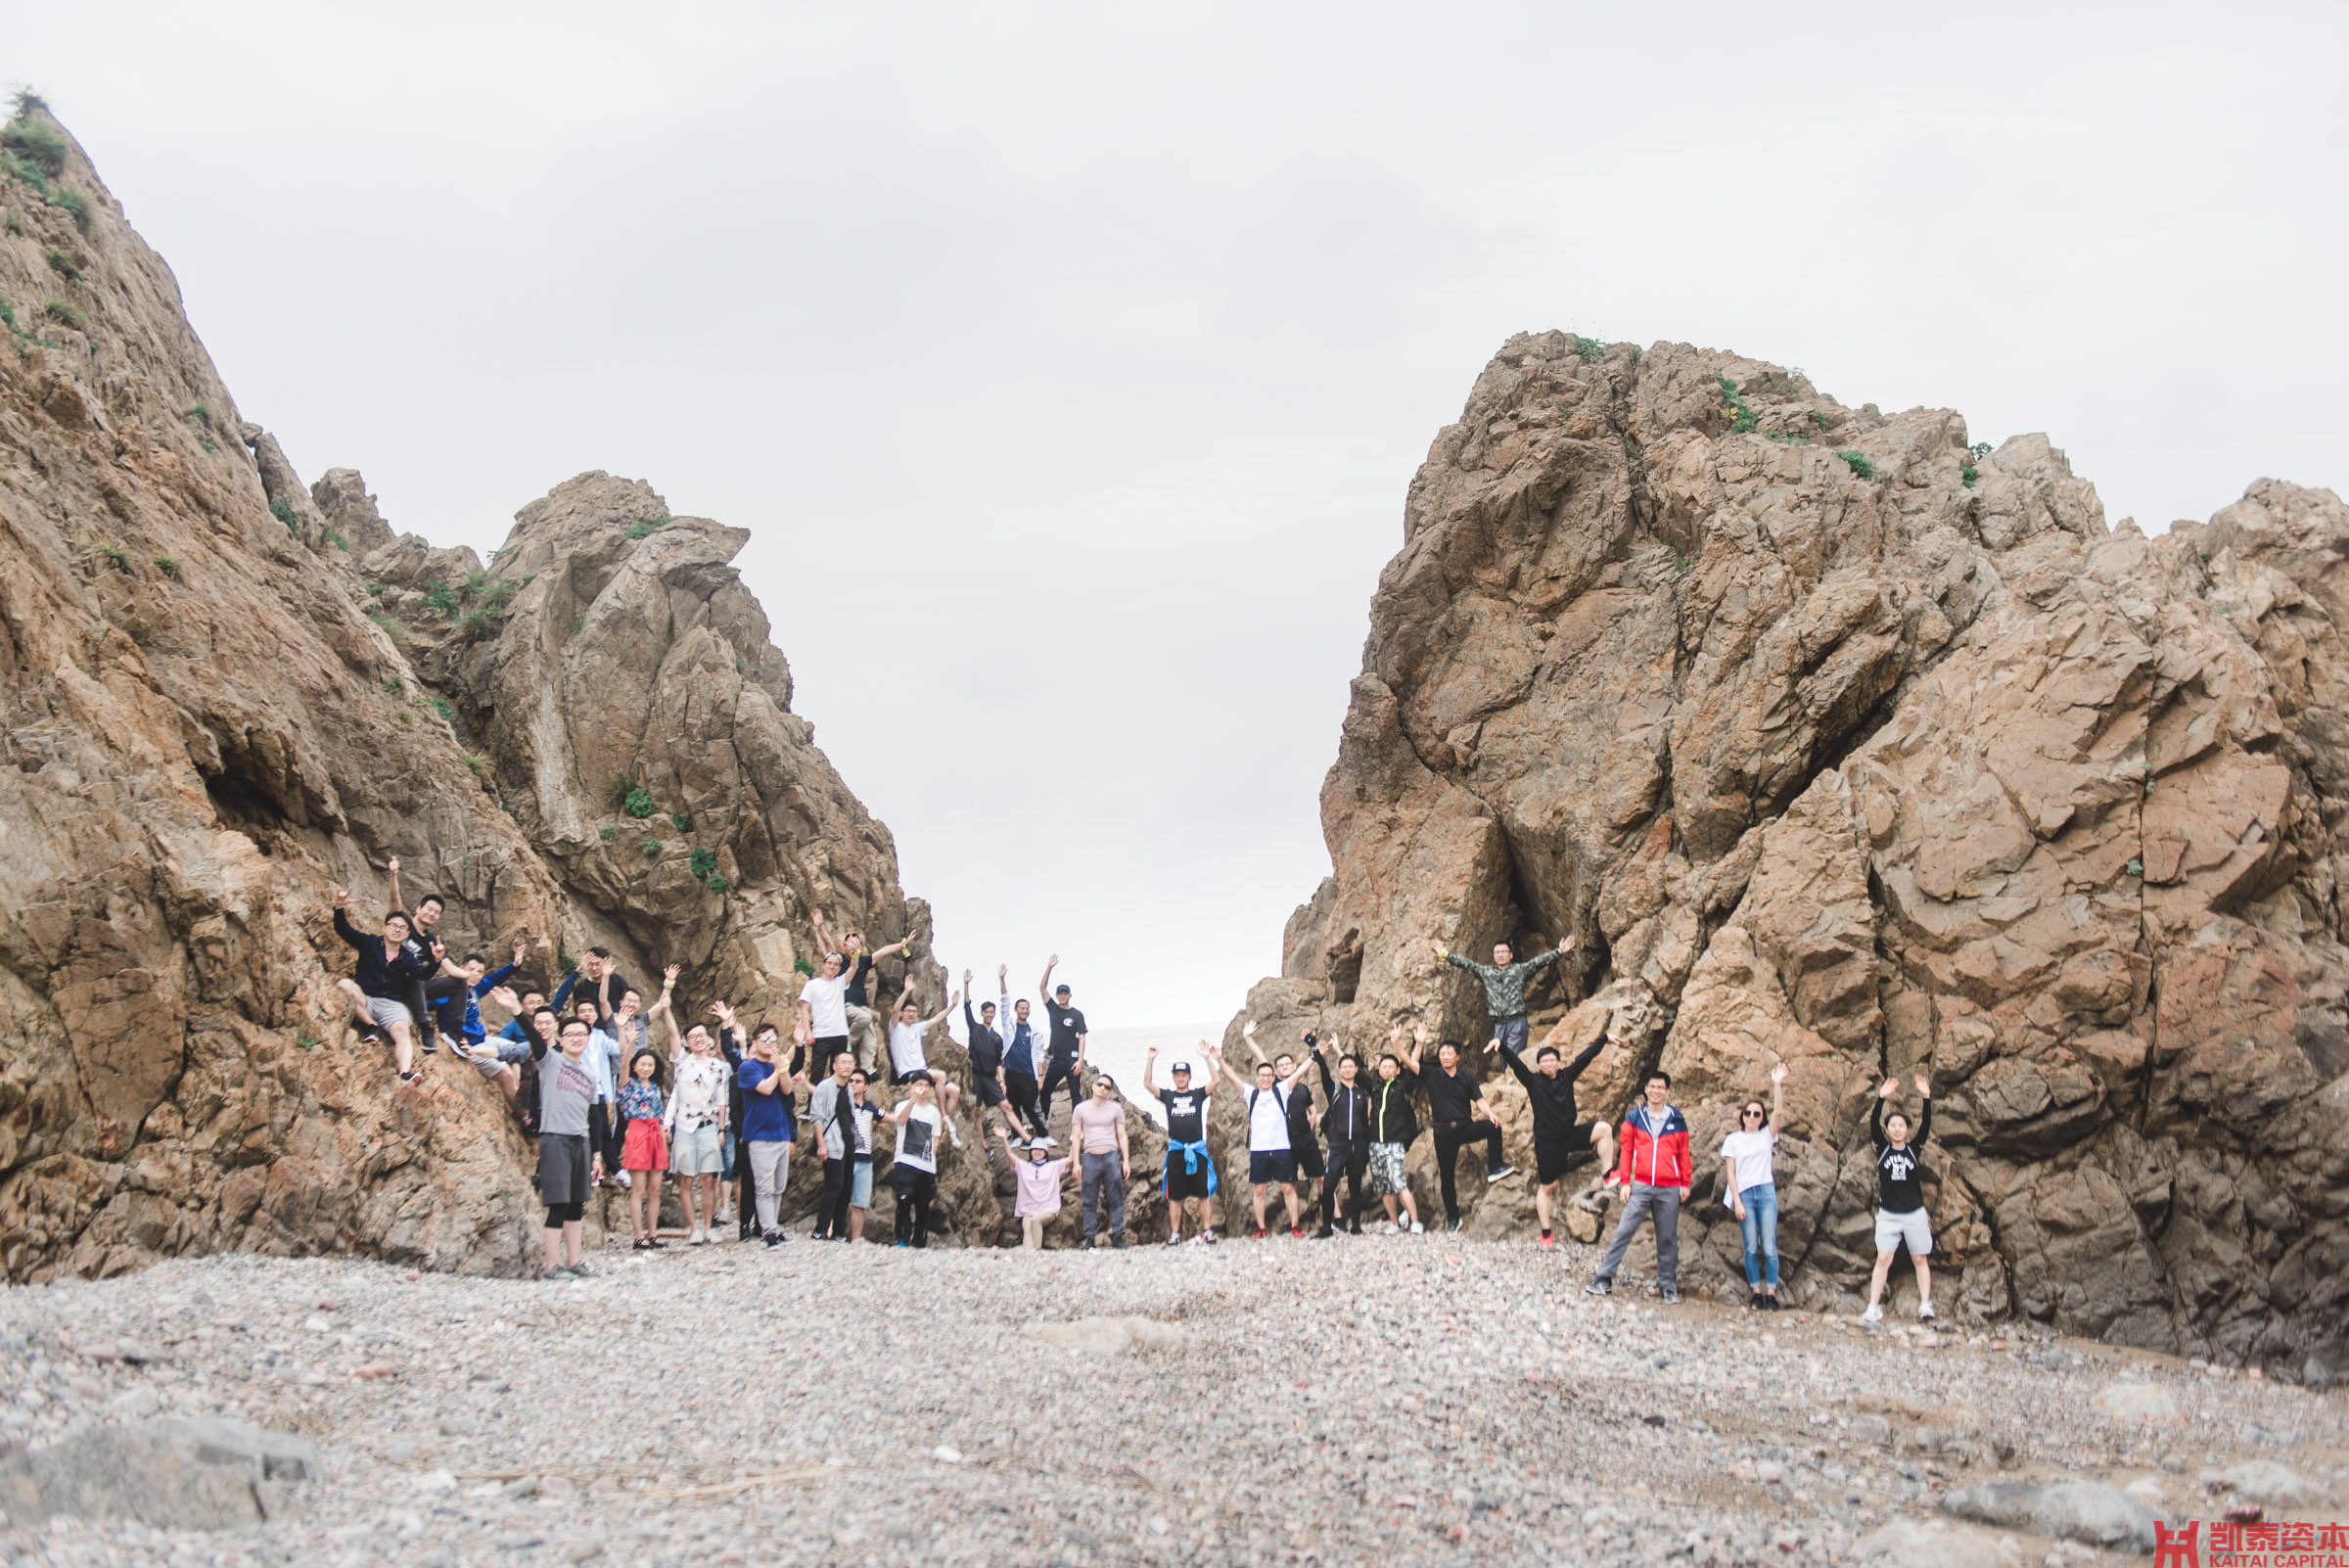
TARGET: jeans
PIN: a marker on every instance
(1101, 1172)
(832, 1213)
(771, 1168)
(1663, 1203)
(1761, 1228)
(1449, 1142)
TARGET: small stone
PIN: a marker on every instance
(944, 1451)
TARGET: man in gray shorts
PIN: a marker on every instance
(566, 1167)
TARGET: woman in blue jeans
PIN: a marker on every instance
(1751, 1183)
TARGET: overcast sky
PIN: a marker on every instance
(1070, 363)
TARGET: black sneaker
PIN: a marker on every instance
(1354, 1229)
(1671, 1296)
(1452, 1224)
(1599, 1287)
(1500, 1173)
(1325, 1233)
(431, 1044)
(1117, 1241)
(775, 1238)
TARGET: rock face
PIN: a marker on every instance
(1839, 744)
(214, 718)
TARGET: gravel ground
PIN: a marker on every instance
(1388, 1399)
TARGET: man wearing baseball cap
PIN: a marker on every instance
(1067, 1061)
(1190, 1172)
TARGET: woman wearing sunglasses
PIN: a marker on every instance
(1753, 1190)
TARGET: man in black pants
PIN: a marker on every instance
(832, 1114)
(1346, 1122)
(1023, 1058)
(987, 1060)
(436, 993)
(1558, 1134)
(1454, 1103)
(1067, 1065)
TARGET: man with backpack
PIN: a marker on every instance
(1271, 1158)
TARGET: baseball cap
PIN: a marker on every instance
(1180, 1066)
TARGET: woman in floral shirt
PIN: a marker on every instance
(643, 1151)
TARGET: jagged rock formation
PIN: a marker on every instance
(1837, 743)
(212, 723)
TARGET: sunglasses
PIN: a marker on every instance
(1749, 1115)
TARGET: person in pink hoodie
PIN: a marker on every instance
(1041, 1182)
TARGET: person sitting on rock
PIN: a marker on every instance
(437, 993)
(1505, 984)
(1272, 1163)
(1456, 1103)
(1751, 1180)
(597, 979)
(567, 1166)
(856, 968)
(378, 991)
(1040, 1180)
(1656, 1175)
(1560, 1137)
(1900, 1197)
(986, 1059)
(1393, 1123)
(473, 1038)
(906, 1057)
(1190, 1169)
(1347, 1125)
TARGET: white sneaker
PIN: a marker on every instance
(622, 1179)
(698, 1238)
(1418, 1229)
(1924, 1311)
(1874, 1314)
(726, 1216)
(1174, 1238)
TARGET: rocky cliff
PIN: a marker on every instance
(216, 712)
(1838, 743)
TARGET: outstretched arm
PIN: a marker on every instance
(1223, 1070)
(1149, 1073)
(392, 879)
(1248, 1033)
(1924, 1113)
(1876, 1111)
(1777, 1095)
(939, 1016)
(1418, 1044)
(1043, 986)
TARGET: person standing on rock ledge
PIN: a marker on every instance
(856, 1007)
(378, 992)
(436, 993)
(1456, 1103)
(1505, 984)
(1656, 1173)
(986, 1059)
(1067, 1063)
(1900, 1197)
(1559, 1133)
(1194, 1177)
(1022, 1057)
(824, 1011)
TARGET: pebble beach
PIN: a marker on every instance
(1384, 1399)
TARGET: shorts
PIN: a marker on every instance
(645, 1148)
(729, 1164)
(1272, 1167)
(1511, 1032)
(562, 1168)
(1182, 1184)
(484, 1060)
(1386, 1168)
(1307, 1154)
(1913, 1227)
(860, 1185)
(1551, 1156)
(901, 1079)
(698, 1151)
(989, 1091)
(385, 1011)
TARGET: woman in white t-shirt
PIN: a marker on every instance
(1752, 1186)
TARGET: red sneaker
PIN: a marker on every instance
(1297, 1231)
(1546, 1241)
(1258, 1234)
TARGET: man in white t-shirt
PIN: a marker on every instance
(1272, 1163)
(823, 1010)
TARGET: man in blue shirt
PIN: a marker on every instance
(766, 1128)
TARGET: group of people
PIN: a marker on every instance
(723, 1110)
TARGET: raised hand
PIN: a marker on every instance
(1777, 1074)
(1001, 971)
(1566, 945)
(504, 996)
(342, 898)
(1494, 1046)
(724, 1012)
(1248, 1030)
(1925, 1085)
(1154, 1053)
(669, 976)
(392, 865)
(1419, 1036)
(1439, 949)
(519, 950)
(816, 918)
(1052, 962)
(967, 980)
(1395, 1036)
(1892, 1086)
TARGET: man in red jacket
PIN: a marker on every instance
(1655, 1174)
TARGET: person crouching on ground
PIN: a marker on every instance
(1040, 1180)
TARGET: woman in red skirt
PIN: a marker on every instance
(645, 1150)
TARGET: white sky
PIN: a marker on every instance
(1070, 363)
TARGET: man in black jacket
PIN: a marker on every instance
(1558, 1134)
(437, 993)
(1394, 1125)
(1347, 1123)
(377, 994)
(987, 1060)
